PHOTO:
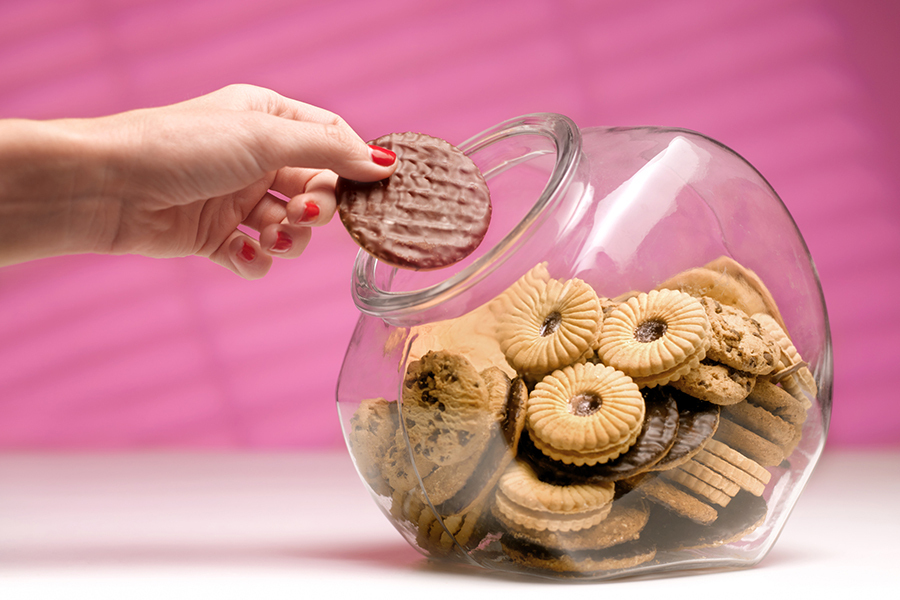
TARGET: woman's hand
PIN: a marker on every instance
(190, 178)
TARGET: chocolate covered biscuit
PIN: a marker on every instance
(431, 213)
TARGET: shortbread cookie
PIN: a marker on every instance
(585, 414)
(716, 383)
(749, 443)
(677, 500)
(655, 338)
(431, 213)
(738, 341)
(548, 324)
(524, 501)
(728, 462)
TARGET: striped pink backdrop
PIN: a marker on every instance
(101, 352)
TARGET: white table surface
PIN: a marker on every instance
(301, 526)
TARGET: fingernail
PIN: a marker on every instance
(381, 156)
(248, 252)
(310, 212)
(282, 243)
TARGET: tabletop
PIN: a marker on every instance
(300, 525)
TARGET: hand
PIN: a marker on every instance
(195, 177)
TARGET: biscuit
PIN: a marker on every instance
(763, 297)
(749, 443)
(792, 372)
(656, 438)
(744, 514)
(698, 421)
(716, 383)
(524, 501)
(432, 212)
(455, 488)
(738, 341)
(445, 409)
(680, 502)
(656, 337)
(742, 470)
(373, 428)
(585, 414)
(547, 324)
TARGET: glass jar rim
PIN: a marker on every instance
(372, 300)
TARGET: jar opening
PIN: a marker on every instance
(527, 163)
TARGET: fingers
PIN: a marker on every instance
(316, 204)
(242, 255)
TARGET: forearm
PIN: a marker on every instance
(53, 186)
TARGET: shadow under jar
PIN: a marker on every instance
(631, 375)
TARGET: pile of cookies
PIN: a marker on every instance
(573, 434)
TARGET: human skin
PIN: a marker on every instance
(193, 178)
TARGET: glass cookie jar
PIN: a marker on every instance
(631, 375)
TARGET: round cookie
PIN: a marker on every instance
(698, 421)
(524, 501)
(431, 213)
(738, 341)
(445, 410)
(585, 414)
(655, 338)
(654, 442)
(716, 383)
(547, 324)
(373, 428)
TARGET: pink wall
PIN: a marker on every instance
(100, 352)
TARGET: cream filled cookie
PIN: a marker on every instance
(655, 338)
(585, 414)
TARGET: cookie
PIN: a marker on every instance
(584, 414)
(792, 372)
(744, 514)
(772, 413)
(656, 337)
(749, 443)
(656, 438)
(762, 296)
(738, 341)
(703, 482)
(445, 409)
(675, 499)
(431, 213)
(547, 324)
(728, 462)
(452, 490)
(624, 523)
(540, 560)
(716, 383)
(524, 501)
(698, 421)
(373, 428)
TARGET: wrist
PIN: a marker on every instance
(52, 182)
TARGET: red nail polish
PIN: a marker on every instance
(247, 252)
(283, 243)
(382, 156)
(310, 212)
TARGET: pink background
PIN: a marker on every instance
(119, 353)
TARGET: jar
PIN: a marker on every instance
(507, 412)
